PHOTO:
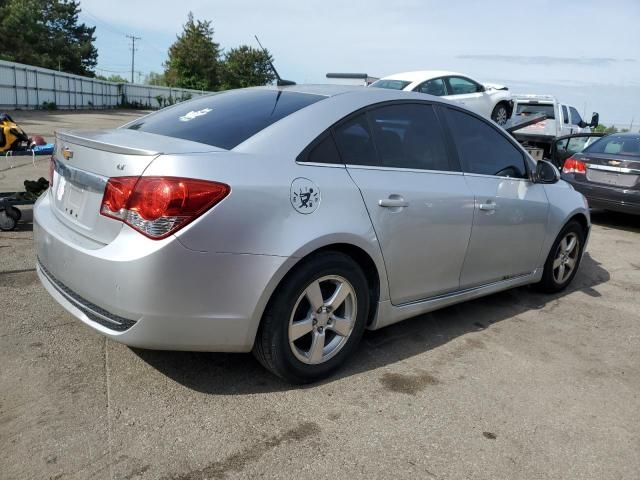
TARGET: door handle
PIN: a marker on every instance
(393, 202)
(487, 207)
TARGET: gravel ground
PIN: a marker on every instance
(518, 385)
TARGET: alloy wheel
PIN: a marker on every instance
(322, 319)
(566, 258)
(501, 115)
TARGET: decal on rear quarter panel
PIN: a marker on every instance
(305, 195)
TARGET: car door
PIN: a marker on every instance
(563, 147)
(470, 94)
(419, 203)
(510, 212)
(576, 121)
(434, 86)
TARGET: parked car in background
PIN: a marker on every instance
(562, 120)
(286, 220)
(488, 100)
(607, 171)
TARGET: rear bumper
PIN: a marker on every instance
(154, 294)
(607, 197)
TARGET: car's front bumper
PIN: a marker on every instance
(154, 294)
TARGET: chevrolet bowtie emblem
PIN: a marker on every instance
(66, 153)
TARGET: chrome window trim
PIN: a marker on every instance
(400, 169)
(88, 180)
(608, 168)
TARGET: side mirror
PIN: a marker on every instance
(595, 120)
(583, 124)
(546, 172)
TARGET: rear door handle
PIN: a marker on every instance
(393, 202)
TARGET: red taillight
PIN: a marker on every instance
(159, 206)
(573, 165)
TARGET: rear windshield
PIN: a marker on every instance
(616, 145)
(391, 84)
(527, 109)
(225, 119)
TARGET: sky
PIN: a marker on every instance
(585, 52)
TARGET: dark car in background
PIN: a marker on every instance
(606, 171)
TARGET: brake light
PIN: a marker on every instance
(573, 165)
(159, 206)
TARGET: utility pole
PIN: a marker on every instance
(133, 52)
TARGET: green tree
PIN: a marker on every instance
(194, 58)
(604, 129)
(154, 78)
(113, 78)
(46, 33)
(245, 66)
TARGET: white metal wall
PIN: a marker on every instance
(28, 87)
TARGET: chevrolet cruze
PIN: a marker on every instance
(287, 220)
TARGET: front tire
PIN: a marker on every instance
(564, 259)
(315, 319)
(500, 114)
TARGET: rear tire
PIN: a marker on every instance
(500, 114)
(15, 212)
(315, 319)
(564, 259)
(8, 220)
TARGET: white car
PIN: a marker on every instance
(489, 100)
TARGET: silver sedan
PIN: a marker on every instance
(286, 221)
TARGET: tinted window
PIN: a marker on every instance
(354, 141)
(575, 116)
(226, 119)
(529, 109)
(432, 87)
(409, 136)
(461, 86)
(565, 114)
(392, 84)
(324, 152)
(616, 145)
(483, 150)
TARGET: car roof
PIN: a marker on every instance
(420, 75)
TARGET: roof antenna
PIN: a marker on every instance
(279, 81)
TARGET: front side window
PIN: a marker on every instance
(575, 116)
(483, 150)
(355, 142)
(391, 84)
(462, 86)
(565, 114)
(409, 136)
(432, 87)
(225, 119)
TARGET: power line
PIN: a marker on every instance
(133, 52)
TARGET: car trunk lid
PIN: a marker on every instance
(84, 161)
(622, 171)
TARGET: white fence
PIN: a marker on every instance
(27, 87)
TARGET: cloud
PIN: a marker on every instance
(546, 60)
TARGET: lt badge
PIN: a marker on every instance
(305, 195)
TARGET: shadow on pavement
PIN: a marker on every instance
(229, 374)
(616, 220)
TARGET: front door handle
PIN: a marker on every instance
(392, 202)
(487, 207)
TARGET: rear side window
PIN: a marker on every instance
(225, 119)
(355, 141)
(409, 136)
(565, 114)
(432, 87)
(324, 152)
(483, 150)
